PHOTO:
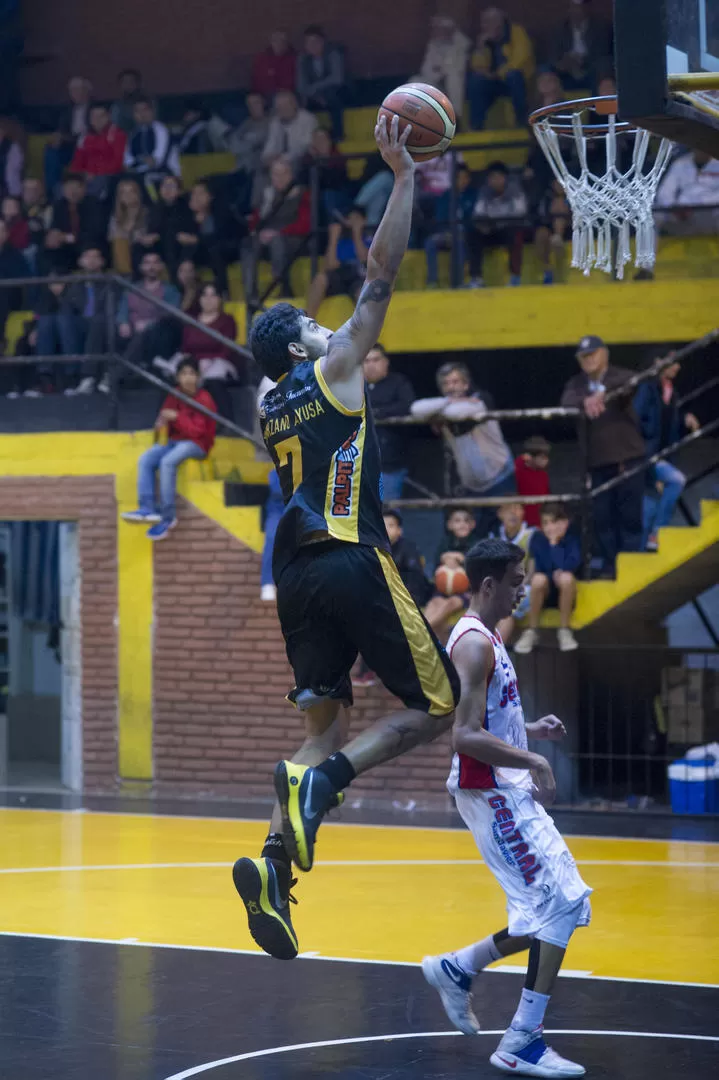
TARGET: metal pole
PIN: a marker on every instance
(314, 218)
(585, 509)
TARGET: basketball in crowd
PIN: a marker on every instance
(451, 581)
(429, 111)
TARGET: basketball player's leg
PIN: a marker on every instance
(373, 610)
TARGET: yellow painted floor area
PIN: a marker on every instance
(375, 893)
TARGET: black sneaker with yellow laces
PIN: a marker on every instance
(264, 887)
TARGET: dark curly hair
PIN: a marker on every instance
(271, 336)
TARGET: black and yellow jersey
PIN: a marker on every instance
(328, 461)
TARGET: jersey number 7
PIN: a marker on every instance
(289, 456)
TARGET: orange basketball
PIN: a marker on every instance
(451, 582)
(429, 111)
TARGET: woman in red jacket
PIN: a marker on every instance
(190, 434)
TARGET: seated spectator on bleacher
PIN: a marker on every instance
(615, 446)
(150, 152)
(407, 558)
(130, 86)
(390, 394)
(87, 300)
(433, 179)
(498, 220)
(530, 474)
(248, 140)
(344, 268)
(12, 265)
(12, 159)
(168, 219)
(77, 221)
(375, 189)
(290, 130)
(26, 380)
(277, 225)
(193, 136)
(211, 238)
(74, 123)
(440, 238)
(190, 434)
(127, 227)
(662, 423)
(100, 153)
(691, 180)
(188, 284)
(513, 528)
(334, 188)
(552, 221)
(321, 83)
(37, 213)
(141, 324)
(56, 333)
(461, 533)
(584, 46)
(17, 226)
(482, 457)
(445, 60)
(275, 69)
(501, 65)
(556, 557)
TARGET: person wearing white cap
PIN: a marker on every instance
(445, 60)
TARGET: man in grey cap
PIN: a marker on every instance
(615, 445)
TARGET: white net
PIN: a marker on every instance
(613, 203)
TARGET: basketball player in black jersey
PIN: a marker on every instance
(338, 590)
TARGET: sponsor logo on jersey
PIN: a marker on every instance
(509, 694)
(510, 841)
(343, 481)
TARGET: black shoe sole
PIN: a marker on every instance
(268, 930)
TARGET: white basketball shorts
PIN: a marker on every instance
(519, 842)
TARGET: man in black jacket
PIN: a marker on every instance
(390, 394)
(615, 446)
(77, 221)
(407, 559)
(321, 78)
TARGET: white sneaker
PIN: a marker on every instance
(104, 385)
(475, 283)
(566, 640)
(165, 366)
(86, 385)
(268, 593)
(455, 990)
(32, 393)
(525, 1053)
(526, 642)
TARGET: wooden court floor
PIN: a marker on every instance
(376, 893)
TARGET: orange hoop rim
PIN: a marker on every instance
(559, 116)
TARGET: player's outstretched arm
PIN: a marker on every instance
(342, 367)
(473, 658)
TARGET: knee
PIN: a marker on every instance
(540, 582)
(565, 579)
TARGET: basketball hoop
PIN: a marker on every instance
(603, 204)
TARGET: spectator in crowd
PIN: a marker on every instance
(128, 227)
(537, 176)
(692, 179)
(662, 423)
(615, 446)
(130, 86)
(193, 136)
(531, 476)
(272, 511)
(56, 333)
(335, 199)
(12, 159)
(460, 534)
(100, 152)
(433, 180)
(321, 77)
(445, 60)
(150, 152)
(290, 130)
(390, 394)
(514, 528)
(407, 559)
(169, 220)
(482, 458)
(441, 236)
(343, 273)
(247, 142)
(87, 302)
(190, 434)
(26, 380)
(275, 69)
(552, 222)
(38, 215)
(74, 123)
(77, 221)
(211, 239)
(280, 219)
(498, 220)
(188, 284)
(556, 556)
(502, 65)
(375, 190)
(584, 46)
(12, 265)
(17, 226)
(140, 322)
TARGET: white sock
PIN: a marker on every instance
(530, 1011)
(475, 957)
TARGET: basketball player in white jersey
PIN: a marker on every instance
(499, 787)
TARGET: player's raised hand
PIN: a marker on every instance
(393, 146)
(548, 727)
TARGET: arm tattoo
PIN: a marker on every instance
(376, 291)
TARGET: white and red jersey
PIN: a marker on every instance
(503, 717)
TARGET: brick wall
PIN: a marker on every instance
(220, 677)
(89, 500)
